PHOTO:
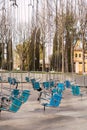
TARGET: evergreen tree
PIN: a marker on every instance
(9, 55)
(37, 50)
(69, 27)
(32, 51)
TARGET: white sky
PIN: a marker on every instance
(23, 10)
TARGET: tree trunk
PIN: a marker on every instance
(62, 54)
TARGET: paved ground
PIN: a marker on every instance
(71, 115)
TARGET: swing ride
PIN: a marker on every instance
(51, 91)
(12, 98)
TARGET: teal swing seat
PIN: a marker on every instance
(15, 105)
(33, 80)
(12, 81)
(57, 91)
(54, 90)
(73, 90)
(67, 84)
(15, 92)
(52, 84)
(76, 91)
(0, 78)
(61, 86)
(27, 79)
(24, 96)
(36, 86)
(12, 106)
(46, 85)
(54, 101)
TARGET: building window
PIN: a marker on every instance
(80, 62)
(79, 55)
(76, 55)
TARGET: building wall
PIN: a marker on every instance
(78, 59)
(16, 61)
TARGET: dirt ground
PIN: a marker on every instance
(70, 115)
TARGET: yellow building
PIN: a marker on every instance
(78, 58)
(16, 61)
